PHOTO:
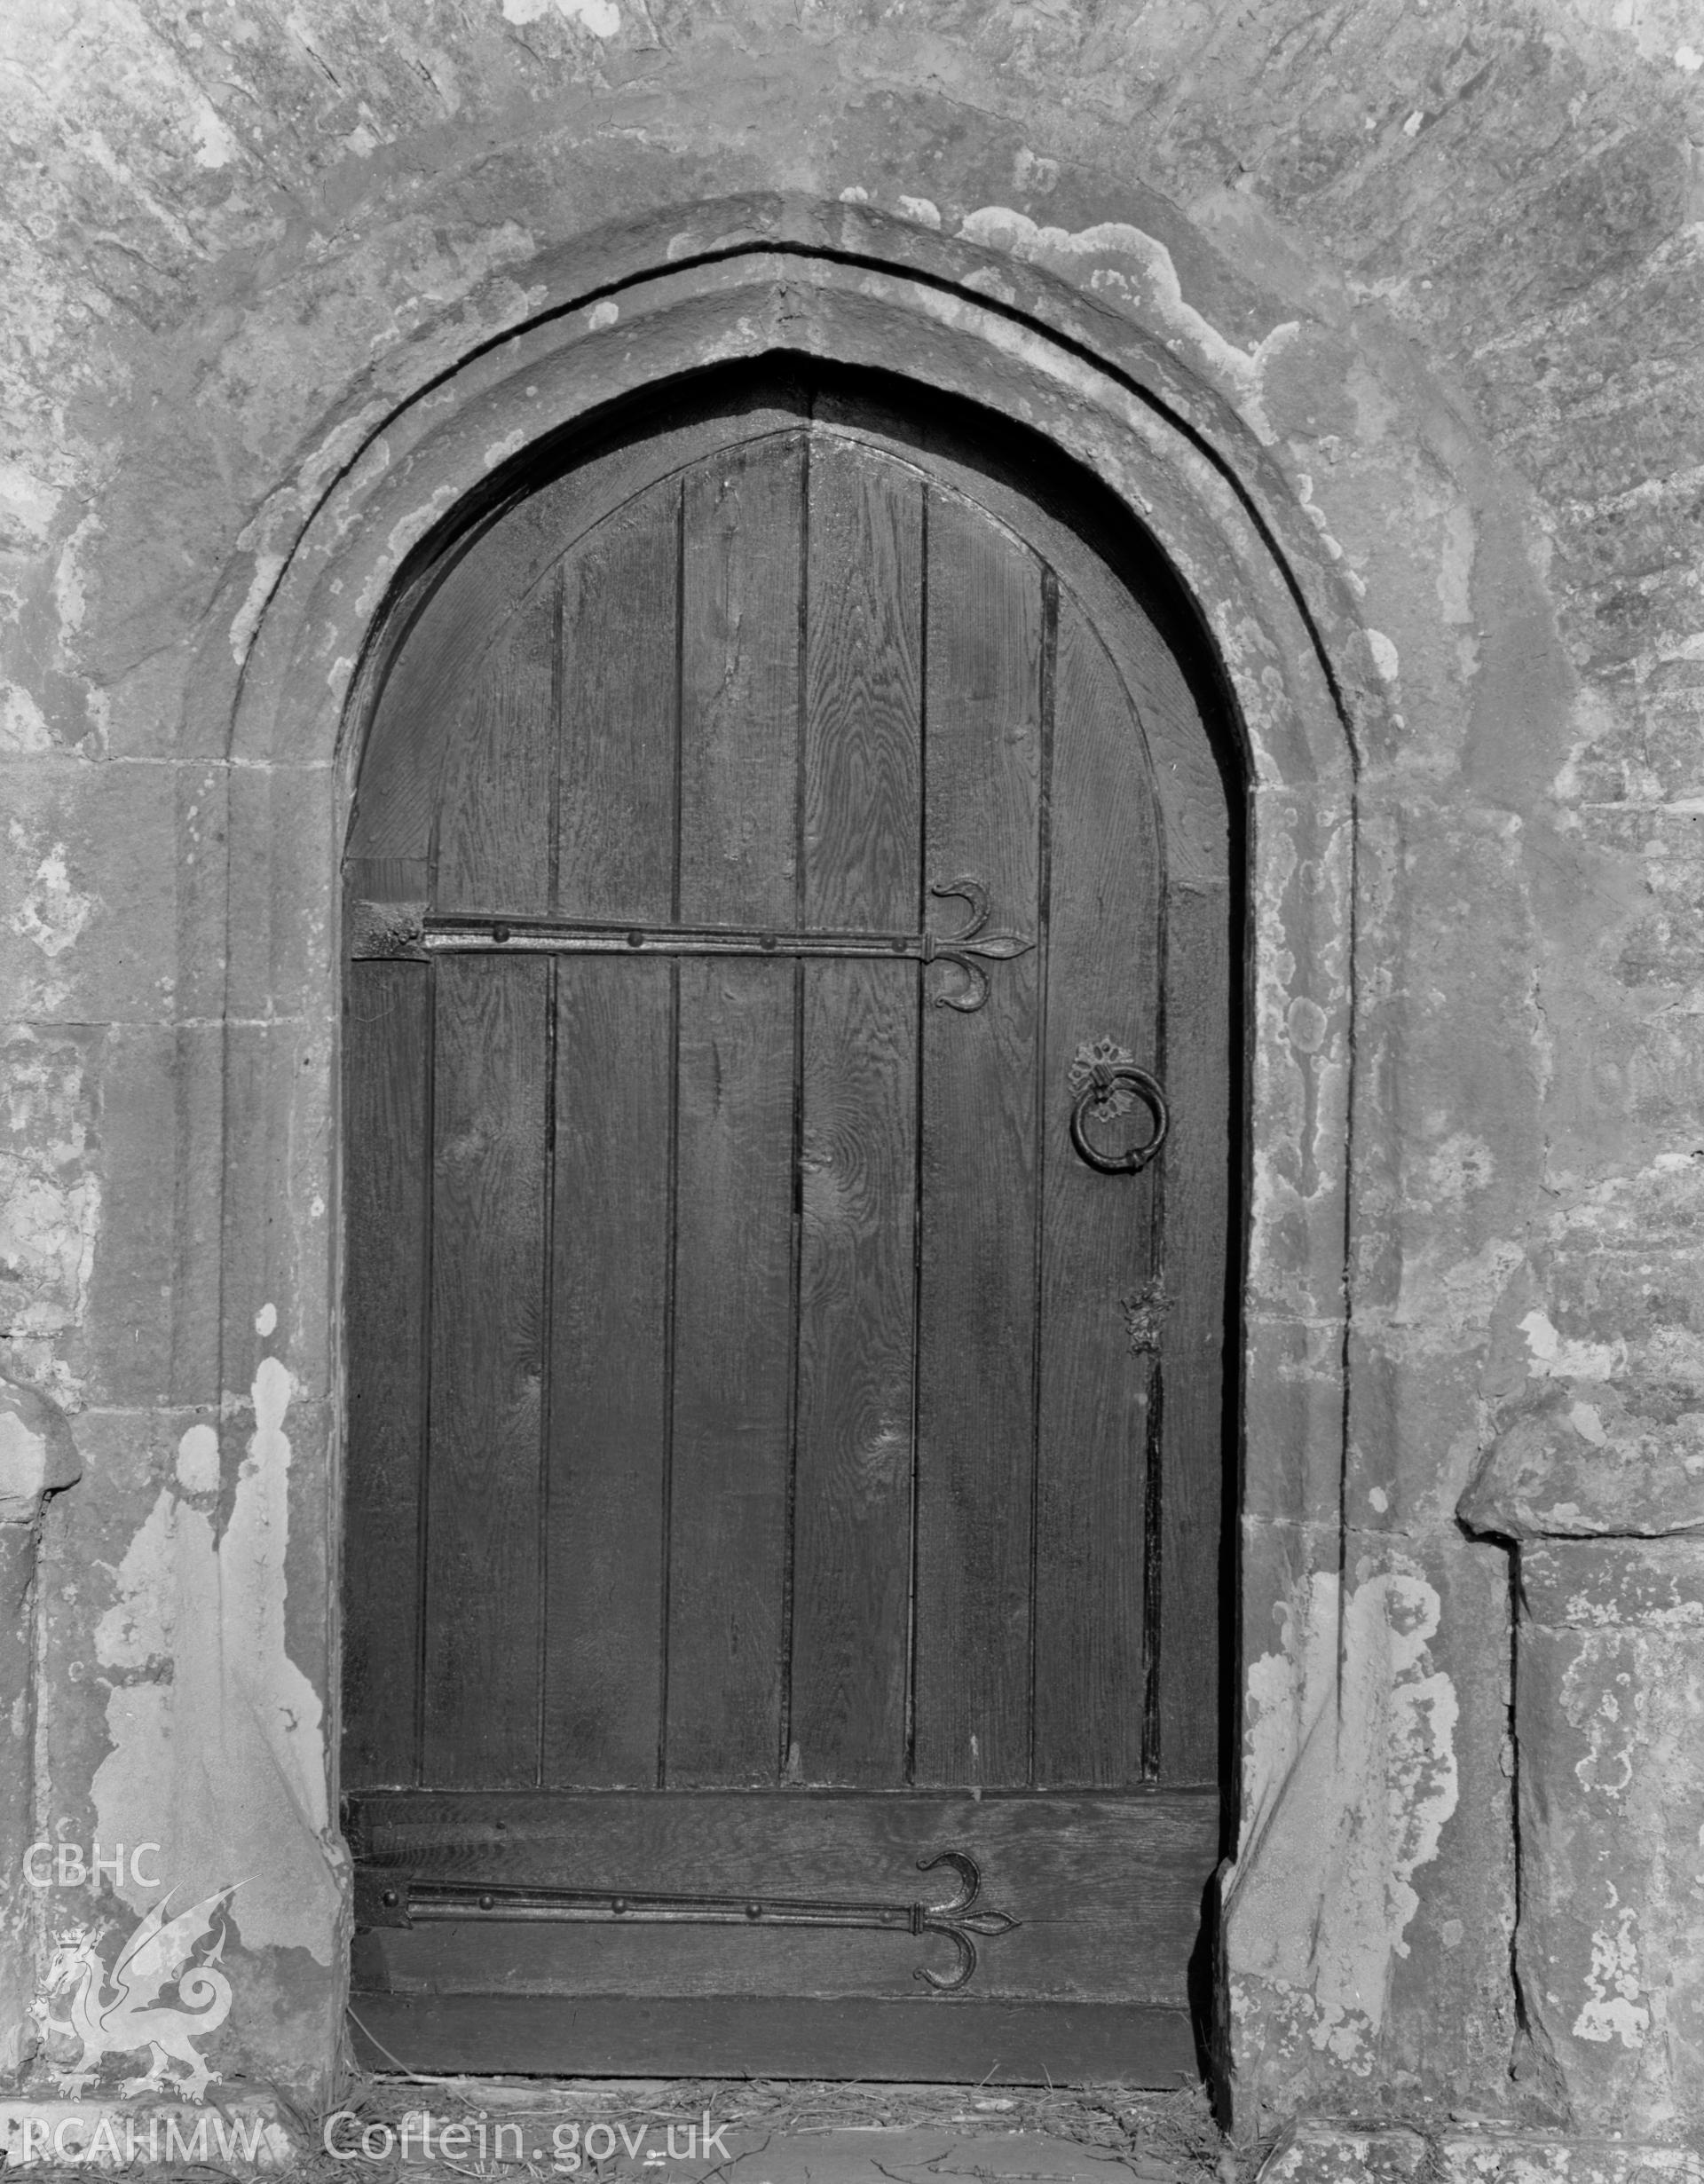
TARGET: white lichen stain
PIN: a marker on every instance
(70, 585)
(404, 536)
(1587, 1423)
(1385, 657)
(1614, 2011)
(48, 1230)
(601, 17)
(50, 1205)
(1439, 1310)
(1154, 283)
(603, 313)
(27, 507)
(1307, 1024)
(924, 210)
(1349, 1778)
(1610, 1730)
(217, 1752)
(500, 451)
(52, 913)
(1459, 1166)
(1550, 1358)
(23, 730)
(1317, 517)
(215, 145)
(197, 1467)
(268, 569)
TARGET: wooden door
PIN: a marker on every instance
(788, 898)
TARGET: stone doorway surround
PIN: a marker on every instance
(287, 662)
(312, 615)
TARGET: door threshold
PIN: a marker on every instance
(755, 2131)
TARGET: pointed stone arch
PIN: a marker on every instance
(308, 620)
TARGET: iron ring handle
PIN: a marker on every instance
(1106, 1077)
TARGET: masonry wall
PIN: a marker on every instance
(1445, 264)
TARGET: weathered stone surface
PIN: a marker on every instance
(1324, 2154)
(38, 1457)
(1609, 1684)
(1321, 2153)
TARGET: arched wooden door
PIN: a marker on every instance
(788, 885)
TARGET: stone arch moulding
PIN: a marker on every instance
(297, 641)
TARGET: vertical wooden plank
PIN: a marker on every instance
(740, 574)
(862, 680)
(977, 1263)
(1098, 1257)
(490, 1083)
(733, 1371)
(616, 787)
(493, 827)
(1194, 1184)
(853, 1488)
(609, 1426)
(386, 1058)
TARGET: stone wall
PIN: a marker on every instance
(1442, 264)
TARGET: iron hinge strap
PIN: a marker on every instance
(395, 1897)
(410, 930)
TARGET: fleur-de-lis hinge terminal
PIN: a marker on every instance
(956, 949)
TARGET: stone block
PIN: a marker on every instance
(50, 1206)
(1312, 2153)
(116, 890)
(277, 1247)
(153, 1320)
(1413, 1430)
(1609, 1688)
(284, 862)
(1368, 1917)
(1293, 1422)
(1500, 2157)
(1325, 2152)
(1300, 1083)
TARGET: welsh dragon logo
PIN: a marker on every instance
(164, 1992)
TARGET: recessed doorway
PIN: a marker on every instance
(790, 1101)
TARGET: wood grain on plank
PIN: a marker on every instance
(741, 549)
(863, 689)
(386, 879)
(853, 1492)
(386, 1060)
(976, 1300)
(493, 824)
(733, 1367)
(617, 762)
(609, 1410)
(996, 2044)
(490, 1086)
(452, 614)
(1098, 1246)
